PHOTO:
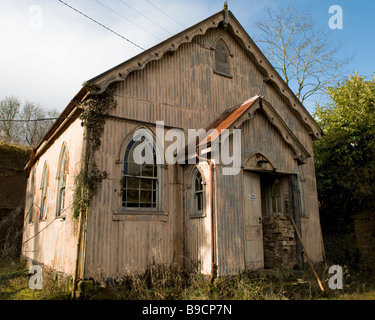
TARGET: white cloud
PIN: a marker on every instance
(49, 65)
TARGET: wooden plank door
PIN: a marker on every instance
(254, 257)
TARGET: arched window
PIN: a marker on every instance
(197, 194)
(43, 193)
(31, 199)
(61, 183)
(275, 197)
(222, 59)
(140, 173)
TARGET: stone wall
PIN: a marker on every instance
(279, 242)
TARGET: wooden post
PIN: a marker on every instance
(307, 256)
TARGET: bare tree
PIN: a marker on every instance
(9, 109)
(35, 122)
(303, 55)
(27, 124)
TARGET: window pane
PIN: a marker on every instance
(148, 170)
(42, 204)
(62, 199)
(31, 199)
(132, 183)
(199, 201)
(198, 182)
(145, 196)
(146, 184)
(147, 205)
(140, 192)
(130, 155)
(132, 196)
(221, 58)
(123, 197)
(278, 206)
(132, 205)
(134, 169)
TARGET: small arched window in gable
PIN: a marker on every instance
(222, 59)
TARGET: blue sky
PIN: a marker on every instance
(48, 50)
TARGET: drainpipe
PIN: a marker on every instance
(213, 264)
(81, 220)
(75, 275)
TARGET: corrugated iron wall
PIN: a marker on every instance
(182, 90)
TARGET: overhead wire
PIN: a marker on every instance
(114, 32)
(33, 120)
(155, 23)
(102, 25)
(155, 6)
(125, 18)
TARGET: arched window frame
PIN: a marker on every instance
(143, 181)
(62, 171)
(31, 198)
(276, 196)
(225, 68)
(43, 193)
(198, 202)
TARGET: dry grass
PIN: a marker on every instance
(161, 282)
(14, 283)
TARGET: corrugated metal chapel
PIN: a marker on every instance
(210, 76)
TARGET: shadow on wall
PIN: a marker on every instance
(12, 194)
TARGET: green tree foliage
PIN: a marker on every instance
(345, 157)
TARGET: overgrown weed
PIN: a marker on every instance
(161, 282)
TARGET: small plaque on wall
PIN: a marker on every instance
(252, 196)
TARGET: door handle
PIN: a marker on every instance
(260, 220)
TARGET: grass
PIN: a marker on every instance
(171, 283)
(14, 284)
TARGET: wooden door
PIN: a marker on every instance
(254, 257)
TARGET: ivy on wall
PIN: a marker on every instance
(89, 178)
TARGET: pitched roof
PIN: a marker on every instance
(226, 119)
(99, 83)
(120, 72)
(234, 117)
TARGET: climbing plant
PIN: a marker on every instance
(89, 178)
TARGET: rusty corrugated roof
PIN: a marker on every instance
(226, 119)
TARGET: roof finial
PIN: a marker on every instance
(225, 22)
